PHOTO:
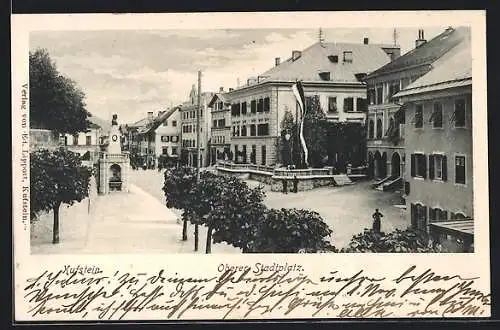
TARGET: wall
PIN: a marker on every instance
(167, 129)
(448, 195)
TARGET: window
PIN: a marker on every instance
(405, 82)
(164, 151)
(174, 139)
(260, 105)
(263, 160)
(348, 56)
(174, 150)
(460, 169)
(263, 129)
(332, 104)
(361, 104)
(253, 106)
(418, 216)
(380, 97)
(165, 138)
(459, 114)
(419, 166)
(308, 104)
(243, 108)
(437, 116)
(201, 112)
(244, 152)
(252, 130)
(253, 155)
(418, 121)
(75, 139)
(165, 123)
(221, 123)
(393, 89)
(267, 104)
(379, 128)
(88, 140)
(348, 104)
(174, 123)
(391, 127)
(244, 130)
(214, 124)
(371, 128)
(438, 169)
(436, 214)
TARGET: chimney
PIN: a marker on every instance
(277, 61)
(296, 54)
(365, 41)
(420, 41)
(221, 89)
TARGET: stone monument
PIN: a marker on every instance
(114, 165)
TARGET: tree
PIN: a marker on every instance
(56, 102)
(348, 142)
(178, 188)
(290, 150)
(57, 177)
(316, 133)
(291, 231)
(409, 240)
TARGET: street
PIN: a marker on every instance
(347, 210)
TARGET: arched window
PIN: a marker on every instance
(379, 128)
(243, 130)
(371, 129)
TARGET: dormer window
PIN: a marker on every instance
(333, 58)
(325, 75)
(348, 56)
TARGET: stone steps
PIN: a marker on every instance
(342, 180)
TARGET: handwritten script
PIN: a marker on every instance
(87, 292)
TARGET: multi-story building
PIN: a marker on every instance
(138, 144)
(332, 71)
(386, 120)
(188, 113)
(88, 143)
(220, 138)
(161, 135)
(438, 144)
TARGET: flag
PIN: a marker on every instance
(298, 91)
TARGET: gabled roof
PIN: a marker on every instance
(454, 69)
(153, 125)
(315, 59)
(427, 53)
(218, 96)
(140, 123)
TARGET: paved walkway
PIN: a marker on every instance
(124, 223)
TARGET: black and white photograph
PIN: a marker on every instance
(239, 142)
(285, 141)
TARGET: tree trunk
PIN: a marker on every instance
(196, 234)
(55, 228)
(208, 248)
(184, 230)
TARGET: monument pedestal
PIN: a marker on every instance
(114, 172)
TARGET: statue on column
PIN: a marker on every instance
(114, 121)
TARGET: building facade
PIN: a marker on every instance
(188, 119)
(167, 133)
(220, 131)
(439, 182)
(386, 139)
(333, 72)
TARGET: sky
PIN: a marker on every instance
(131, 72)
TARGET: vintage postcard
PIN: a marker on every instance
(216, 166)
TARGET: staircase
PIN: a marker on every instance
(392, 184)
(342, 180)
(378, 184)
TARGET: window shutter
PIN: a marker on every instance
(431, 167)
(424, 167)
(445, 168)
(413, 215)
(412, 165)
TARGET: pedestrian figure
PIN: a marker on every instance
(295, 184)
(376, 221)
(285, 186)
